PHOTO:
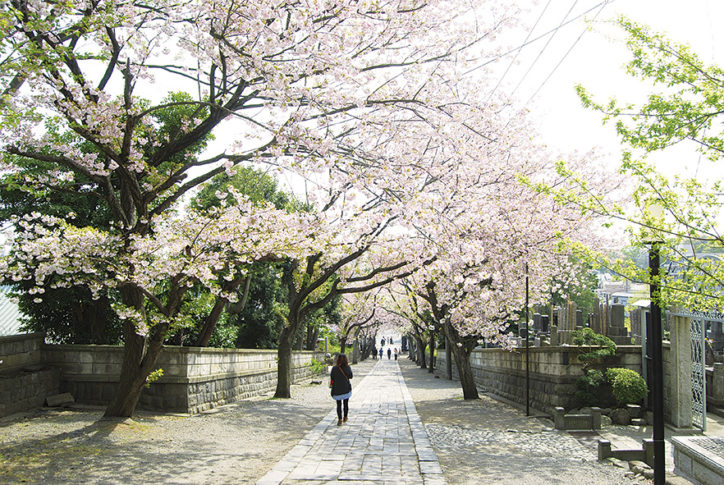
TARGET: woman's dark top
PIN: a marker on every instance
(340, 385)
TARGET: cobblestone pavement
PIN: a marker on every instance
(486, 441)
(384, 440)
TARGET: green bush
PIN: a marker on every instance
(588, 337)
(628, 386)
(317, 366)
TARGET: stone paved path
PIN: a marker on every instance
(384, 440)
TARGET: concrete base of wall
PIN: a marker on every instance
(27, 389)
(553, 372)
(194, 379)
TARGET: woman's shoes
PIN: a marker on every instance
(345, 419)
(339, 422)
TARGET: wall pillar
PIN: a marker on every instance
(680, 399)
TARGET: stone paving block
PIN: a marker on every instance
(434, 480)
(272, 478)
(430, 468)
(384, 442)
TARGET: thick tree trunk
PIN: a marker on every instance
(421, 352)
(461, 353)
(465, 370)
(284, 363)
(139, 358)
(130, 385)
(342, 344)
(431, 367)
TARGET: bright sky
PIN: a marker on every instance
(596, 61)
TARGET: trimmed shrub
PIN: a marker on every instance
(588, 337)
(628, 386)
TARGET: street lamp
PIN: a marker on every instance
(657, 358)
(527, 347)
(657, 363)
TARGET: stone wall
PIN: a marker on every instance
(25, 381)
(194, 379)
(553, 372)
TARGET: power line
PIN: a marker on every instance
(575, 2)
(535, 39)
(512, 61)
(603, 5)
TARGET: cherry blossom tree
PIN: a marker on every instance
(358, 314)
(299, 81)
(484, 226)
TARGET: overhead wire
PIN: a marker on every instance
(525, 41)
(545, 46)
(603, 5)
(535, 39)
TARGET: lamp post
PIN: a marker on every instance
(527, 347)
(657, 363)
(657, 214)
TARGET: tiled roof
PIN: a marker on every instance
(9, 314)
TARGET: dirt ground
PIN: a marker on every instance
(236, 443)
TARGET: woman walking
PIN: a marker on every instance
(341, 387)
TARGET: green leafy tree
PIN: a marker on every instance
(65, 315)
(681, 214)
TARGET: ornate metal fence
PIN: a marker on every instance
(699, 324)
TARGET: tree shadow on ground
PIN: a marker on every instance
(234, 443)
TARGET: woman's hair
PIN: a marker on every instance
(342, 360)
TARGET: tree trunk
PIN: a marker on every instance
(210, 322)
(212, 319)
(461, 353)
(284, 363)
(420, 352)
(312, 334)
(139, 358)
(431, 368)
(465, 371)
(448, 359)
(342, 344)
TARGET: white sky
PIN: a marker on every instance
(596, 61)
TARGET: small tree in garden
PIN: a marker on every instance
(627, 385)
(587, 337)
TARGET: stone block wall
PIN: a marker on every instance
(553, 372)
(25, 381)
(19, 351)
(194, 379)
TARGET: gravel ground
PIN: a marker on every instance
(236, 443)
(486, 441)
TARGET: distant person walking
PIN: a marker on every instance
(395, 353)
(341, 387)
(374, 353)
(389, 353)
(380, 353)
(382, 343)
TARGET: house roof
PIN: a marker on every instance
(9, 314)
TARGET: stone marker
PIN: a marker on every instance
(59, 400)
(544, 323)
